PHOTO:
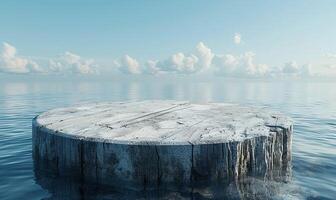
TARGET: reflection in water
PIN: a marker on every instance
(18, 88)
(312, 105)
(244, 188)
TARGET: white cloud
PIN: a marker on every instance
(293, 69)
(9, 51)
(328, 68)
(237, 38)
(11, 63)
(204, 55)
(290, 68)
(242, 65)
(226, 64)
(151, 67)
(249, 66)
(200, 61)
(129, 65)
(330, 55)
(306, 70)
(68, 62)
(72, 63)
(204, 60)
(179, 63)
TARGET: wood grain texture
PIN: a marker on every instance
(154, 161)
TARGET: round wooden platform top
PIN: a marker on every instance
(161, 122)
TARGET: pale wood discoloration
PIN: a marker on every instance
(177, 157)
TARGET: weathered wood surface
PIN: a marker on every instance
(152, 144)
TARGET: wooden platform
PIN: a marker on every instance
(152, 144)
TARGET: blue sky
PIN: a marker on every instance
(277, 32)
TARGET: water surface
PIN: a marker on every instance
(311, 104)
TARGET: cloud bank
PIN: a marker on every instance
(241, 65)
(70, 63)
(237, 38)
(66, 63)
(201, 60)
(128, 65)
(10, 62)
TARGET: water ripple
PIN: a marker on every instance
(314, 142)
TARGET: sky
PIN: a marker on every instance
(226, 38)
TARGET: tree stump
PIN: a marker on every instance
(151, 144)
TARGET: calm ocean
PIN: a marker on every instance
(311, 104)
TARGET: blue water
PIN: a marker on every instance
(312, 105)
